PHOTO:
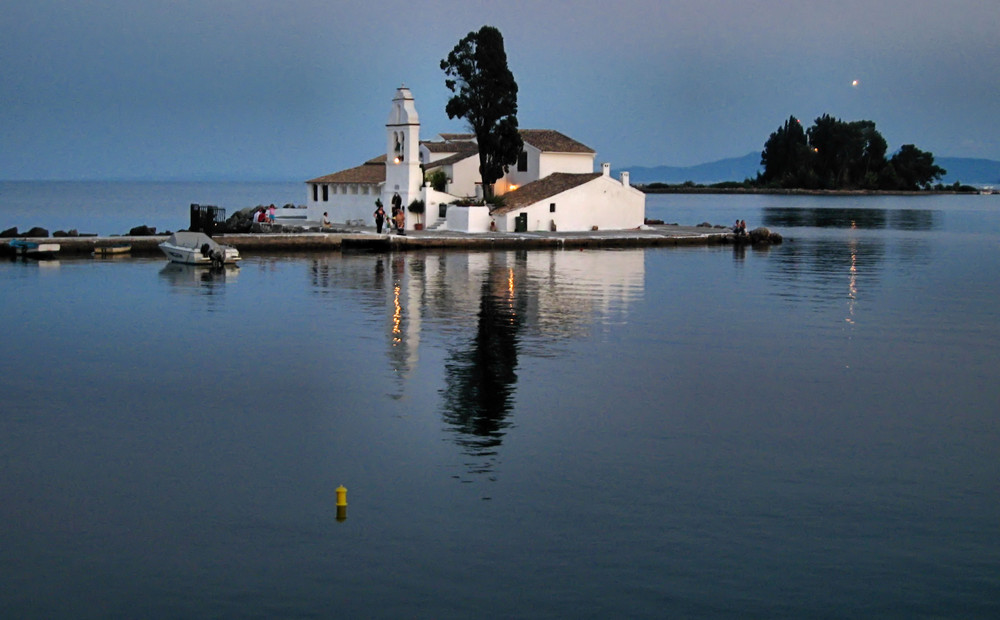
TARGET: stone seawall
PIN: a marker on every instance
(664, 235)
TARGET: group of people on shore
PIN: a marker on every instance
(740, 228)
(397, 219)
(263, 215)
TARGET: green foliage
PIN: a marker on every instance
(787, 158)
(417, 206)
(438, 180)
(493, 201)
(732, 184)
(915, 169)
(834, 154)
(486, 97)
(846, 155)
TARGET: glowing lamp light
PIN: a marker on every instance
(396, 160)
(512, 187)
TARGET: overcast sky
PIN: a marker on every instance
(294, 89)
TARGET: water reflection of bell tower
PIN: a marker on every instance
(402, 162)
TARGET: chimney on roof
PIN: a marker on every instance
(625, 179)
(606, 169)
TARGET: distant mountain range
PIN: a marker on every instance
(731, 169)
(966, 170)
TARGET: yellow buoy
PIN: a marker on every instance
(341, 503)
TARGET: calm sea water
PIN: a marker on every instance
(805, 431)
(108, 208)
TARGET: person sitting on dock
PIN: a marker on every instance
(326, 220)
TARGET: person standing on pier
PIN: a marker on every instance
(379, 216)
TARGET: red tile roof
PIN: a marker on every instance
(371, 172)
(539, 190)
(551, 141)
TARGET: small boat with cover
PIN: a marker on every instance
(196, 248)
(33, 249)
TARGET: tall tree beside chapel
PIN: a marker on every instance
(486, 97)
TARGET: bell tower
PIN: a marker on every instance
(403, 175)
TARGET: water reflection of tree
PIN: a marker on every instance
(479, 379)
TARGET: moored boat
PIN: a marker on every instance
(112, 250)
(195, 248)
(34, 249)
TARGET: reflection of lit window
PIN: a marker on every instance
(397, 317)
(510, 295)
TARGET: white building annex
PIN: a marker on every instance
(552, 187)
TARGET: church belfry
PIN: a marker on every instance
(403, 175)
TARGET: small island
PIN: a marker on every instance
(831, 157)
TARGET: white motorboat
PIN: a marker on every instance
(195, 248)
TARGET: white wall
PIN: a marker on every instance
(541, 165)
(347, 203)
(578, 163)
(514, 177)
(464, 176)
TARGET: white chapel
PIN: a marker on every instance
(552, 187)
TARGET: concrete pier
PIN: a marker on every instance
(368, 240)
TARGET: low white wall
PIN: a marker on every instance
(295, 216)
(468, 219)
(433, 200)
